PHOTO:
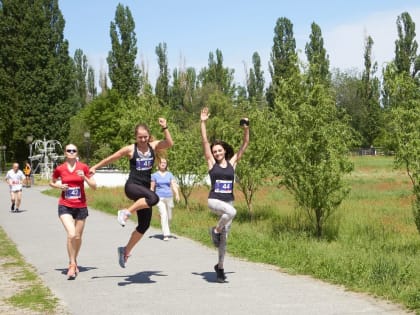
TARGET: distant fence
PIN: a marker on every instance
(374, 151)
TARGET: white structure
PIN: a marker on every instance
(45, 152)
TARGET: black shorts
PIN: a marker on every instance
(76, 213)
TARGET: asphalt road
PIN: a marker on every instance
(174, 277)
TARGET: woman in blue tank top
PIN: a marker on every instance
(141, 157)
(221, 162)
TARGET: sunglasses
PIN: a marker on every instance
(71, 151)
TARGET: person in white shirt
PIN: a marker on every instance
(15, 178)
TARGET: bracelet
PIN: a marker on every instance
(164, 128)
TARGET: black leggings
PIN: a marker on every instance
(144, 216)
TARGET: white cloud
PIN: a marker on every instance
(345, 43)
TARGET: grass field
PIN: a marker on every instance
(371, 243)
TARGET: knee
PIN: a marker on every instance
(74, 236)
(143, 227)
(232, 212)
(152, 200)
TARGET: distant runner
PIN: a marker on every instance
(14, 178)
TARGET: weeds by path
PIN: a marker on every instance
(22, 291)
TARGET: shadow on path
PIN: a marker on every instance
(209, 276)
(81, 269)
(140, 277)
(160, 236)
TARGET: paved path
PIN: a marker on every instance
(174, 277)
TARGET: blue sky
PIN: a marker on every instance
(193, 29)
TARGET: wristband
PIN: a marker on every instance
(164, 128)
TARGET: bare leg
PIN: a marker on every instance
(18, 199)
(134, 239)
(69, 225)
(12, 199)
(138, 205)
(79, 226)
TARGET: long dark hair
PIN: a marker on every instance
(228, 148)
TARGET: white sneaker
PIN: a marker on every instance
(123, 216)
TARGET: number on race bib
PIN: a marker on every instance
(223, 186)
(73, 193)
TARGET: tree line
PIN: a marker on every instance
(304, 121)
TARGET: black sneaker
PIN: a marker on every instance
(215, 237)
(12, 208)
(220, 273)
(16, 210)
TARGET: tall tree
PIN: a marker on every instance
(103, 81)
(162, 82)
(406, 59)
(37, 77)
(319, 64)
(123, 71)
(217, 75)
(283, 65)
(145, 86)
(406, 45)
(91, 84)
(256, 81)
(81, 64)
(369, 96)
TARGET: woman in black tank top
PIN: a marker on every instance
(221, 162)
(141, 157)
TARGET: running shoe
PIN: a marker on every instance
(122, 257)
(166, 238)
(71, 273)
(123, 216)
(12, 208)
(215, 237)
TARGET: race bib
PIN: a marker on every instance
(73, 193)
(144, 164)
(223, 186)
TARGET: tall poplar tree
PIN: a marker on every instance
(123, 71)
(91, 84)
(217, 75)
(81, 64)
(319, 64)
(283, 67)
(369, 94)
(406, 45)
(37, 77)
(162, 82)
(256, 81)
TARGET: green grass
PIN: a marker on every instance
(371, 243)
(32, 295)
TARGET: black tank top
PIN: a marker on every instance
(141, 167)
(222, 180)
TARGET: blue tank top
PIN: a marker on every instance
(222, 180)
(141, 167)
